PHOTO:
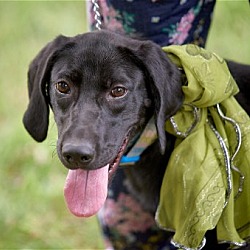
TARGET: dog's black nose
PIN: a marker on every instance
(78, 155)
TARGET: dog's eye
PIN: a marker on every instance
(118, 92)
(63, 87)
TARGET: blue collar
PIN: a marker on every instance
(146, 138)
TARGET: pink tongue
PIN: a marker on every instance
(86, 191)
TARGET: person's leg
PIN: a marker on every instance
(125, 224)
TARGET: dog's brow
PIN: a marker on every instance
(72, 76)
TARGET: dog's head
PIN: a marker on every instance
(102, 88)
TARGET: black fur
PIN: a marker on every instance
(93, 124)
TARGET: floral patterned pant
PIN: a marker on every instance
(162, 21)
(124, 222)
(126, 225)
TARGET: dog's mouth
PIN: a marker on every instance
(85, 191)
(113, 166)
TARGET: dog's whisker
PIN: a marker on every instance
(52, 143)
(54, 154)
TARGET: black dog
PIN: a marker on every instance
(103, 89)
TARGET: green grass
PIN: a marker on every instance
(230, 34)
(33, 214)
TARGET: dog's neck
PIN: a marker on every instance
(139, 144)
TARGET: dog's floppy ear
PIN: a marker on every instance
(36, 117)
(165, 83)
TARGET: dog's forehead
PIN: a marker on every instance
(88, 50)
(93, 54)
